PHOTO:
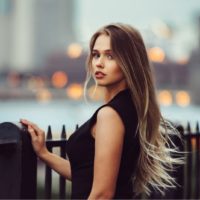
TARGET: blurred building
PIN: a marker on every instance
(194, 74)
(35, 36)
(31, 29)
(5, 31)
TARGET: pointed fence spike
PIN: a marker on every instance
(180, 128)
(63, 133)
(49, 133)
(188, 128)
(197, 127)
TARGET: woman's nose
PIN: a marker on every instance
(100, 62)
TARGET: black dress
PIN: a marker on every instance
(81, 151)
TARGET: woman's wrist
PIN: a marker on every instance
(43, 154)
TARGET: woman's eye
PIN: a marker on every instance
(95, 55)
(109, 56)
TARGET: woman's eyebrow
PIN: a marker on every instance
(108, 51)
(105, 51)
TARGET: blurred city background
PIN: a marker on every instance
(44, 45)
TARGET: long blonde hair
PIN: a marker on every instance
(155, 158)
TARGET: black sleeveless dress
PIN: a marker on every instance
(81, 151)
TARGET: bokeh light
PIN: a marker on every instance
(183, 60)
(35, 82)
(74, 50)
(183, 98)
(59, 79)
(75, 91)
(13, 79)
(156, 54)
(161, 29)
(165, 98)
(43, 95)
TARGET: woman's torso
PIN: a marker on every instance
(81, 150)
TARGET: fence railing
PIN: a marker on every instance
(192, 167)
(62, 143)
(189, 175)
(18, 163)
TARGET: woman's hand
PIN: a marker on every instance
(37, 138)
(60, 165)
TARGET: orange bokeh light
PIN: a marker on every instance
(75, 91)
(165, 98)
(182, 98)
(156, 54)
(43, 95)
(59, 79)
(74, 50)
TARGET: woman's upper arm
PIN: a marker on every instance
(109, 137)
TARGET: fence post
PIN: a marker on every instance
(48, 171)
(63, 155)
(197, 188)
(189, 162)
(18, 163)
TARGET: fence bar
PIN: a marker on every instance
(62, 181)
(197, 193)
(48, 171)
(189, 161)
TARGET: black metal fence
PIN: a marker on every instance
(51, 143)
(189, 178)
(18, 163)
(192, 167)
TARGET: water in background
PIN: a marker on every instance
(69, 113)
(54, 113)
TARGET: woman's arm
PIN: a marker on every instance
(109, 137)
(57, 163)
(60, 165)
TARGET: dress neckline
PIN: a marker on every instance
(125, 91)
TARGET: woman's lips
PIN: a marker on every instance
(99, 75)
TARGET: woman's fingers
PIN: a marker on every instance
(24, 121)
(32, 132)
(37, 137)
(31, 126)
(34, 126)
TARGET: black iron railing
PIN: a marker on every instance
(192, 167)
(189, 178)
(61, 143)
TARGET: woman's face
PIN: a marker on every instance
(105, 69)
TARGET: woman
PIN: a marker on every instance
(124, 146)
